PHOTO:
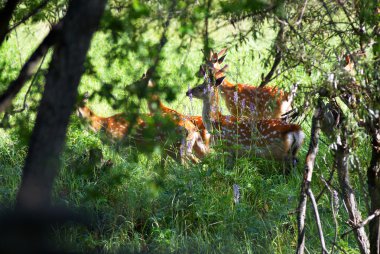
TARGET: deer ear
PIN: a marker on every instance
(221, 59)
(219, 81)
(222, 52)
(201, 72)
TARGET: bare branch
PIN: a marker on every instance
(363, 223)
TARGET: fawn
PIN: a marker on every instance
(177, 142)
(271, 138)
(245, 100)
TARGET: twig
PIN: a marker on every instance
(318, 220)
(363, 223)
(29, 68)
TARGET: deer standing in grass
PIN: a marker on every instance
(249, 101)
(273, 139)
(191, 123)
(178, 142)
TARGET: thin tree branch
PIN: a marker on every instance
(24, 105)
(334, 207)
(298, 22)
(5, 18)
(318, 220)
(29, 68)
(277, 58)
(339, 34)
(326, 186)
(363, 223)
(32, 13)
(356, 30)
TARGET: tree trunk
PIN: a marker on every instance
(66, 68)
(307, 175)
(373, 174)
(341, 160)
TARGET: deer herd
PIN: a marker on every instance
(254, 128)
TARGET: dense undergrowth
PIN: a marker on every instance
(134, 204)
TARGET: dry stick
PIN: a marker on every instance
(363, 223)
(29, 68)
(318, 220)
(341, 159)
(308, 173)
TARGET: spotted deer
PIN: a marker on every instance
(178, 142)
(246, 100)
(156, 106)
(269, 138)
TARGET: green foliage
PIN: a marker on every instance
(140, 205)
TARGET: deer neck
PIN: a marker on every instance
(155, 104)
(210, 111)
